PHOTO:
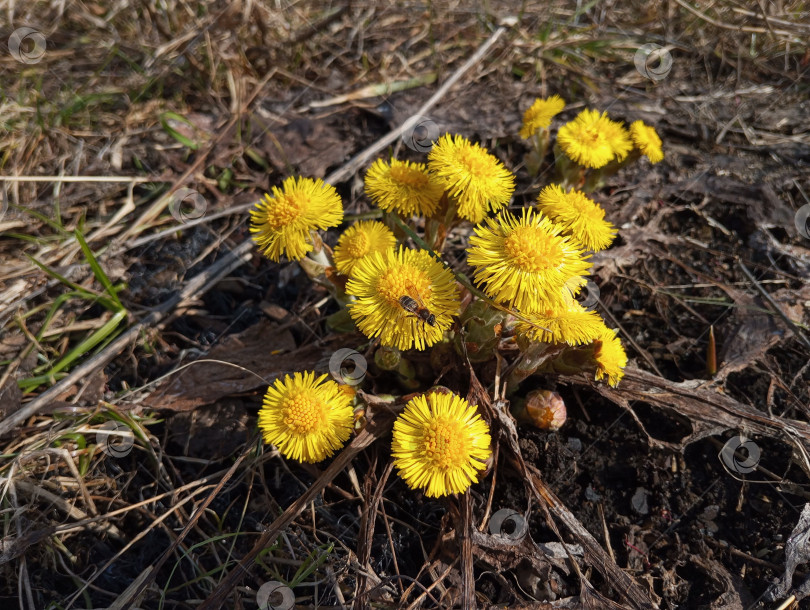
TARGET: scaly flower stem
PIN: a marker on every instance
(569, 173)
(534, 158)
(316, 263)
(527, 364)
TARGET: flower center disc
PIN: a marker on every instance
(401, 281)
(532, 250)
(304, 414)
(445, 444)
(592, 136)
(287, 209)
(476, 161)
(581, 204)
(408, 176)
(359, 245)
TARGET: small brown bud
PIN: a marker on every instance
(545, 409)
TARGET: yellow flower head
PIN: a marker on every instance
(580, 216)
(308, 419)
(524, 261)
(381, 280)
(440, 444)
(477, 180)
(573, 325)
(403, 187)
(539, 115)
(281, 224)
(647, 141)
(593, 140)
(360, 240)
(619, 138)
(610, 356)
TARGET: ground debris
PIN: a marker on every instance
(797, 552)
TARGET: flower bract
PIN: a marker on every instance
(308, 419)
(440, 444)
(379, 283)
(474, 178)
(281, 223)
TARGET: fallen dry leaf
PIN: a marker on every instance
(265, 352)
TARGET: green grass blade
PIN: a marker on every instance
(92, 341)
(84, 292)
(164, 121)
(97, 270)
(105, 333)
(57, 303)
(313, 561)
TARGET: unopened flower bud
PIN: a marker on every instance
(387, 358)
(544, 409)
(359, 418)
(483, 325)
(439, 389)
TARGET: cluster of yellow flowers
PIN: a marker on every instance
(440, 443)
(531, 264)
(592, 139)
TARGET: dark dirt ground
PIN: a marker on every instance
(647, 483)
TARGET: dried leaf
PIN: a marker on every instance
(262, 350)
(797, 552)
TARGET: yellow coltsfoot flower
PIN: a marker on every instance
(647, 141)
(610, 356)
(593, 140)
(404, 297)
(618, 138)
(440, 444)
(358, 241)
(580, 216)
(281, 223)
(573, 325)
(475, 179)
(524, 262)
(584, 139)
(539, 115)
(403, 187)
(308, 419)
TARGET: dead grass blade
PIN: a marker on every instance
(377, 427)
(595, 555)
